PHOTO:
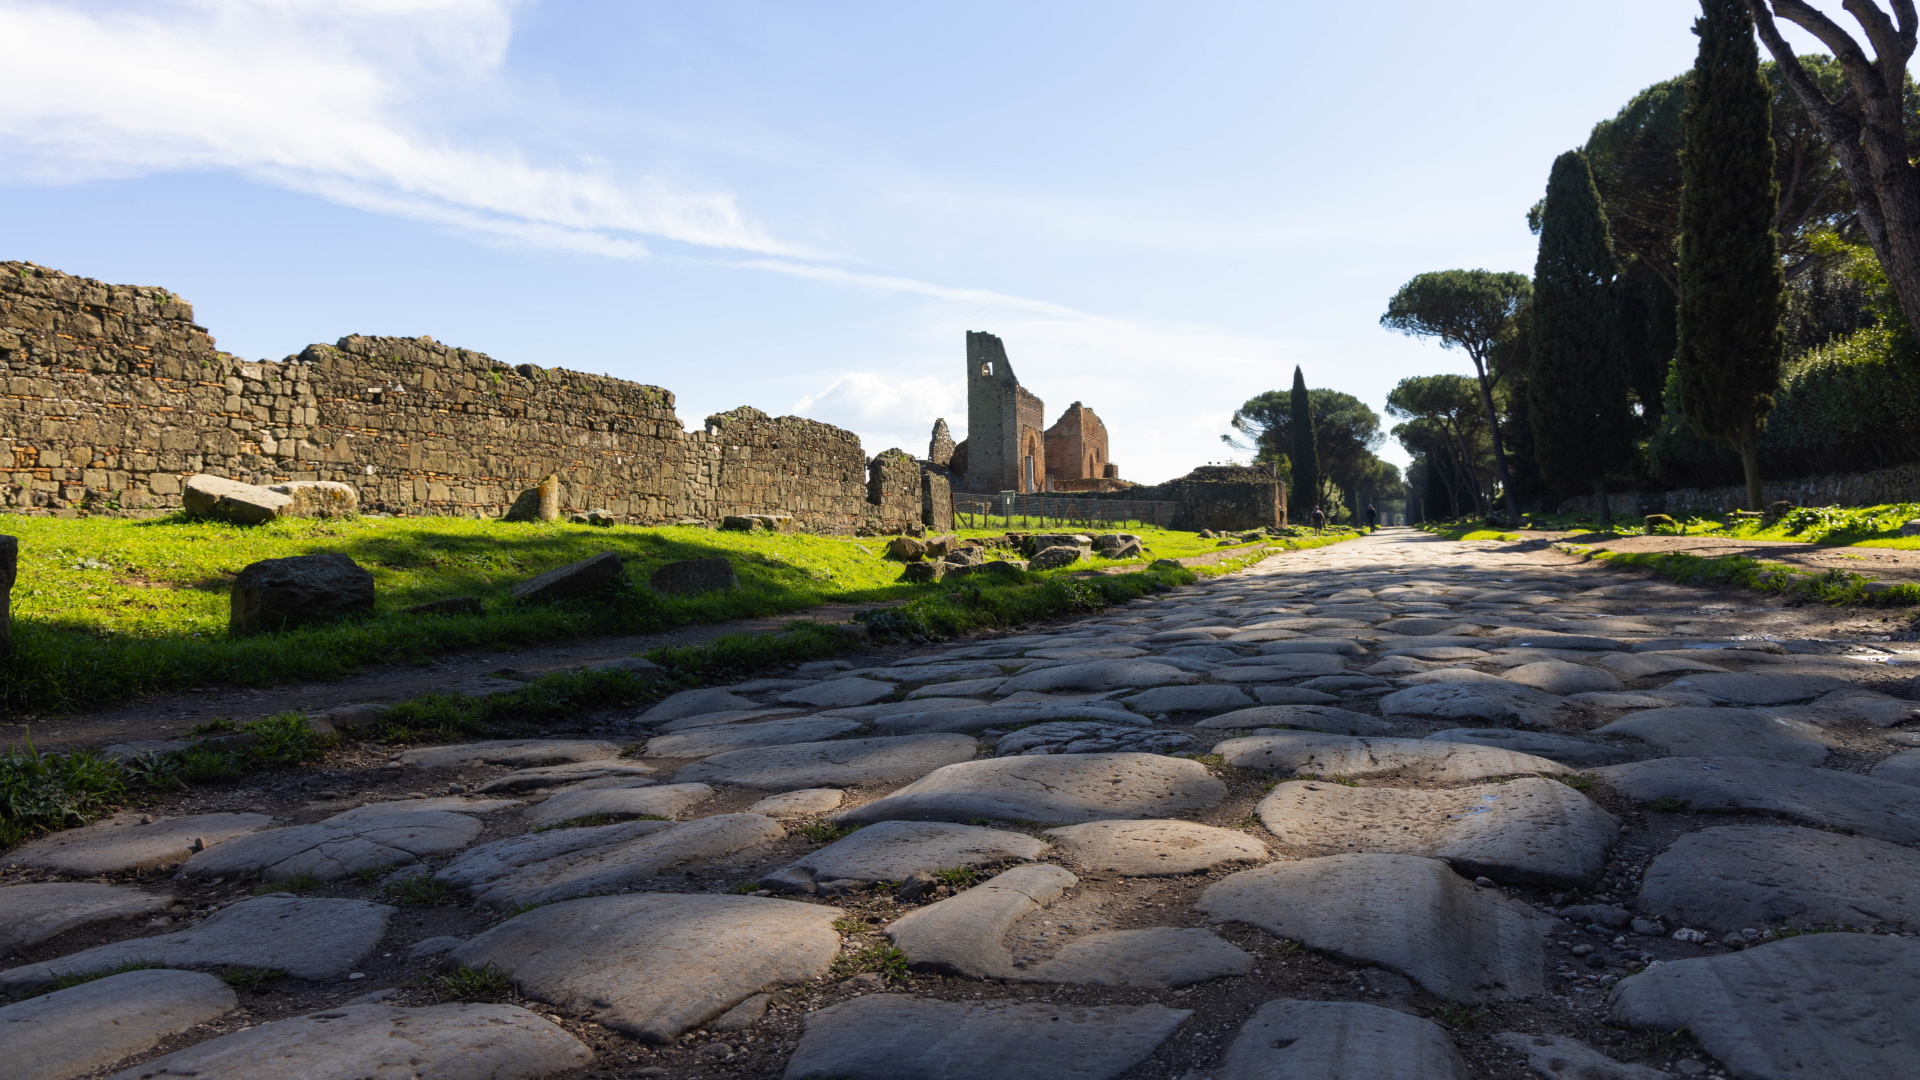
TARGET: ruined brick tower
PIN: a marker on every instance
(1008, 445)
(1077, 452)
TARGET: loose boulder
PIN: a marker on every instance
(301, 590)
(692, 577)
(601, 575)
(1054, 558)
(318, 499)
(221, 499)
(538, 503)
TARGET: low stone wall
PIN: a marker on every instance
(1220, 497)
(113, 396)
(1898, 484)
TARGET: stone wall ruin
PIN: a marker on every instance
(113, 396)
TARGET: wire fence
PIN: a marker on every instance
(1044, 510)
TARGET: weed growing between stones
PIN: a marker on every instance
(63, 982)
(484, 983)
(587, 821)
(824, 832)
(883, 959)
(298, 883)
(40, 792)
(250, 980)
(959, 877)
(418, 890)
(1452, 1014)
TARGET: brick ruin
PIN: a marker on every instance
(113, 396)
(1008, 445)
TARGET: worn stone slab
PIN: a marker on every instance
(32, 913)
(1090, 737)
(453, 804)
(1528, 831)
(356, 1042)
(667, 801)
(1866, 805)
(1401, 912)
(1665, 699)
(891, 850)
(1290, 753)
(1556, 1057)
(515, 753)
(1154, 847)
(840, 693)
(901, 1037)
(1292, 695)
(545, 777)
(1733, 877)
(1724, 733)
(1051, 788)
(1901, 768)
(653, 965)
(330, 850)
(1001, 715)
(966, 934)
(72, 1032)
(1761, 687)
(1173, 699)
(807, 802)
(1311, 717)
(1097, 675)
(1560, 677)
(843, 763)
(1336, 646)
(1564, 749)
(1088, 652)
(307, 937)
(1280, 667)
(1567, 641)
(1643, 665)
(1495, 701)
(541, 868)
(1288, 1039)
(915, 704)
(727, 716)
(1854, 707)
(708, 741)
(1160, 957)
(121, 843)
(1814, 1006)
(694, 703)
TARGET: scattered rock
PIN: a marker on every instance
(1556, 1057)
(906, 549)
(517, 753)
(1724, 733)
(1567, 751)
(1613, 918)
(221, 499)
(900, 1037)
(602, 958)
(1813, 1006)
(32, 913)
(1080, 787)
(694, 577)
(844, 763)
(352, 1042)
(317, 499)
(538, 503)
(1407, 914)
(600, 576)
(1529, 831)
(669, 801)
(1288, 1039)
(75, 1031)
(1054, 558)
(1865, 805)
(307, 937)
(300, 590)
(122, 843)
(540, 868)
(1290, 753)
(1311, 717)
(1152, 848)
(1738, 876)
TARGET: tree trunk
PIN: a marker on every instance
(1493, 430)
(1600, 500)
(1749, 446)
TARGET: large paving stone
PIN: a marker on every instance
(708, 741)
(541, 868)
(121, 843)
(1531, 831)
(1724, 733)
(1761, 687)
(515, 753)
(72, 1032)
(330, 850)
(1174, 699)
(891, 850)
(357, 1042)
(1814, 1006)
(455, 804)
(652, 965)
(916, 703)
(1901, 768)
(1290, 753)
(668, 801)
(1151, 848)
(1088, 737)
(966, 934)
(607, 773)
(900, 1037)
(1739, 876)
(1097, 675)
(1401, 912)
(843, 763)
(840, 693)
(729, 716)
(1000, 715)
(307, 937)
(1311, 717)
(1643, 665)
(807, 802)
(1567, 641)
(1560, 748)
(695, 702)
(1275, 668)
(1871, 807)
(1556, 1057)
(1560, 677)
(30, 914)
(1160, 957)
(1496, 701)
(1051, 788)
(1288, 1039)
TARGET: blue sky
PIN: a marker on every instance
(1160, 207)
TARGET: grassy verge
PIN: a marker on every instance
(1829, 587)
(1467, 531)
(107, 609)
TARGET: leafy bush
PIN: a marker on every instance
(40, 791)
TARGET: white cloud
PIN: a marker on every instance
(888, 410)
(314, 95)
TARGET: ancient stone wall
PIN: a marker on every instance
(1223, 497)
(113, 395)
(1898, 484)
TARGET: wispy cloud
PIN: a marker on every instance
(314, 95)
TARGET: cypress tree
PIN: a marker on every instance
(1577, 373)
(1306, 456)
(1732, 291)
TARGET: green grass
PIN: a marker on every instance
(63, 982)
(298, 883)
(1469, 532)
(51, 791)
(250, 980)
(888, 960)
(1828, 587)
(418, 890)
(484, 983)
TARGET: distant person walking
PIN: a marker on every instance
(1373, 518)
(1318, 518)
